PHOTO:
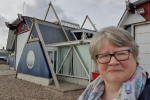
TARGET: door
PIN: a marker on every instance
(142, 38)
(53, 58)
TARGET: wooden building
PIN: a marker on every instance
(46, 51)
(136, 20)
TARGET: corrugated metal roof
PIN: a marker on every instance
(29, 23)
(50, 34)
(70, 35)
(34, 32)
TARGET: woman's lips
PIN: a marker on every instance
(115, 71)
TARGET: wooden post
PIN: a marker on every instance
(84, 22)
(15, 67)
(15, 51)
(30, 31)
(59, 22)
(46, 54)
(90, 22)
(64, 59)
(47, 11)
(81, 62)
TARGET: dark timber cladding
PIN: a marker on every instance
(146, 6)
(40, 67)
(50, 34)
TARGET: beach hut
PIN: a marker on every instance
(51, 51)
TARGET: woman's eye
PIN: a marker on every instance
(104, 56)
(121, 53)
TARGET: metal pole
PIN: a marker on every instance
(23, 7)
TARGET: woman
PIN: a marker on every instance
(115, 53)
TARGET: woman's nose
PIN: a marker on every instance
(113, 61)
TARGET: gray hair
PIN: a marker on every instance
(117, 36)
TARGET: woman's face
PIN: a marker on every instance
(116, 71)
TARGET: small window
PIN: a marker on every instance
(78, 35)
(22, 26)
(89, 35)
(30, 59)
(128, 28)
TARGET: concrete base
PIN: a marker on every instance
(35, 79)
(11, 68)
(65, 87)
(74, 80)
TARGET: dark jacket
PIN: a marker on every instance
(145, 94)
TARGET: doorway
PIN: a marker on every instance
(53, 58)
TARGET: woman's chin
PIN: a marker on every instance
(116, 79)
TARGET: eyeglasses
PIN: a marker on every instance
(120, 56)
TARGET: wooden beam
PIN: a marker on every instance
(81, 62)
(132, 31)
(46, 54)
(59, 22)
(15, 67)
(92, 23)
(30, 31)
(33, 40)
(64, 59)
(23, 31)
(47, 11)
(73, 76)
(84, 22)
(87, 17)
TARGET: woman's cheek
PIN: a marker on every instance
(124, 64)
(102, 67)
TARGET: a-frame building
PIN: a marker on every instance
(51, 51)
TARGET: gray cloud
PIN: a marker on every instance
(2, 19)
(3, 37)
(101, 12)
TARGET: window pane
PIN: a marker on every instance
(30, 59)
(128, 28)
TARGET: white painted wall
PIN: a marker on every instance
(21, 40)
(129, 18)
(142, 38)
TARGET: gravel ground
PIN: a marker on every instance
(16, 89)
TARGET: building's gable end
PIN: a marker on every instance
(40, 67)
(133, 18)
(21, 27)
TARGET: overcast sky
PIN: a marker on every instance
(102, 12)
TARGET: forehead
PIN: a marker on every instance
(108, 47)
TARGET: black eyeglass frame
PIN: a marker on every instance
(114, 56)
